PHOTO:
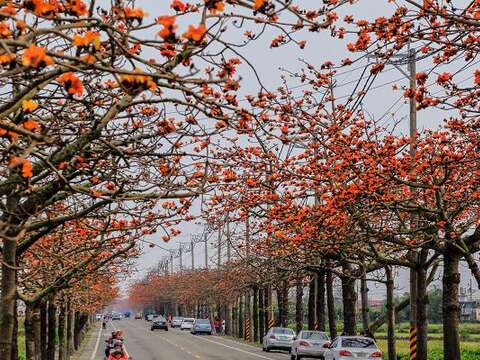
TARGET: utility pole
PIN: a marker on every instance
(206, 249)
(229, 242)
(192, 247)
(180, 251)
(219, 248)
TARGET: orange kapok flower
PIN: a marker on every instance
(137, 83)
(90, 38)
(134, 13)
(76, 8)
(36, 57)
(29, 106)
(169, 26)
(72, 83)
(16, 161)
(195, 34)
(177, 5)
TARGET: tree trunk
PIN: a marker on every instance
(70, 329)
(349, 303)
(29, 333)
(235, 318)
(228, 320)
(392, 349)
(15, 333)
(240, 317)
(268, 308)
(62, 349)
(365, 309)
(255, 314)
(311, 304)
(451, 308)
(422, 303)
(285, 303)
(332, 318)
(8, 296)
(261, 313)
(37, 330)
(52, 328)
(248, 316)
(280, 316)
(76, 331)
(299, 306)
(320, 300)
(43, 330)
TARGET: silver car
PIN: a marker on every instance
(310, 344)
(353, 347)
(278, 338)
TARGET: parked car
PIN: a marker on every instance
(278, 338)
(159, 323)
(348, 347)
(150, 317)
(138, 316)
(310, 344)
(177, 321)
(202, 326)
(187, 324)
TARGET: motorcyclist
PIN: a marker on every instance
(110, 343)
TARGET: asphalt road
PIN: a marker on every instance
(143, 344)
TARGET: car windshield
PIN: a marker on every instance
(188, 320)
(159, 319)
(359, 343)
(313, 335)
(283, 331)
(178, 318)
(203, 322)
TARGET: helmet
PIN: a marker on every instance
(117, 352)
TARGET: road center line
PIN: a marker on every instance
(233, 348)
(96, 344)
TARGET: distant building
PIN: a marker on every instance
(469, 305)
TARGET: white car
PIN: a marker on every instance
(278, 338)
(310, 344)
(353, 347)
(98, 316)
(150, 317)
(177, 321)
(187, 324)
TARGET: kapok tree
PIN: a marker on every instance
(97, 114)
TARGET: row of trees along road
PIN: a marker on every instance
(105, 126)
(327, 190)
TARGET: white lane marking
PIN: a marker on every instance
(237, 342)
(124, 345)
(96, 344)
(233, 348)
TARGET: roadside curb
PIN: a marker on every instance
(88, 345)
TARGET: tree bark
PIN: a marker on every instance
(70, 330)
(451, 308)
(422, 304)
(52, 328)
(299, 306)
(235, 318)
(62, 349)
(76, 331)
(349, 303)
(29, 333)
(311, 304)
(8, 296)
(43, 330)
(365, 309)
(320, 300)
(261, 313)
(268, 307)
(255, 314)
(228, 319)
(15, 333)
(240, 317)
(248, 314)
(332, 318)
(37, 330)
(392, 347)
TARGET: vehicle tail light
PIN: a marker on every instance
(304, 343)
(345, 353)
(326, 345)
(377, 354)
(272, 337)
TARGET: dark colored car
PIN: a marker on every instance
(159, 323)
(202, 326)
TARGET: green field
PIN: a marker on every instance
(470, 350)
